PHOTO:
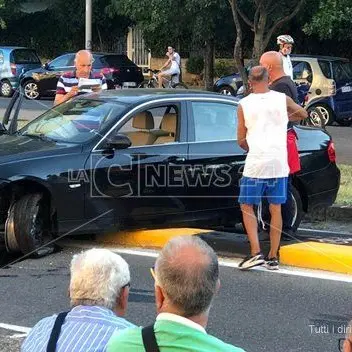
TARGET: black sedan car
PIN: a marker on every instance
(119, 71)
(138, 158)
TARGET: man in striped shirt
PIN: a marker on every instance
(99, 289)
(67, 86)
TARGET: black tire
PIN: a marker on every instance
(227, 90)
(147, 84)
(327, 113)
(180, 86)
(30, 89)
(6, 89)
(263, 214)
(27, 227)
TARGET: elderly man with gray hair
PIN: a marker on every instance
(99, 290)
(186, 280)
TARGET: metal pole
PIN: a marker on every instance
(88, 24)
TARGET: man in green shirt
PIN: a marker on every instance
(186, 279)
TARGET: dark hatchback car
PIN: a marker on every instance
(138, 158)
(119, 71)
(13, 61)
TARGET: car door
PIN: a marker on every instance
(54, 70)
(342, 74)
(143, 181)
(216, 161)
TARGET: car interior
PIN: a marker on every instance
(153, 126)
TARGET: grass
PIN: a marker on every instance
(344, 197)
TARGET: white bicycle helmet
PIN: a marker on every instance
(285, 39)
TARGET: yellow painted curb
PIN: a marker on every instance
(146, 238)
(314, 255)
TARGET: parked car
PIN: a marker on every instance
(330, 80)
(119, 71)
(13, 61)
(138, 158)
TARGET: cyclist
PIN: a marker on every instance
(175, 69)
(286, 43)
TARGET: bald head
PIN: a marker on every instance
(83, 63)
(187, 271)
(272, 61)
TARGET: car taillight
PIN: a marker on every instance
(13, 69)
(332, 152)
(109, 70)
(332, 88)
(306, 98)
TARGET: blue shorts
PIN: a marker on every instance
(253, 189)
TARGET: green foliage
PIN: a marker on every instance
(224, 67)
(195, 65)
(333, 19)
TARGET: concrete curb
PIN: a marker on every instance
(321, 256)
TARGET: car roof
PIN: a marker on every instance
(141, 95)
(95, 53)
(320, 57)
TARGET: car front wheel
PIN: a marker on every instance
(326, 113)
(27, 228)
(227, 90)
(6, 89)
(31, 90)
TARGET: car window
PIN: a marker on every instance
(325, 68)
(302, 71)
(76, 121)
(214, 121)
(71, 60)
(342, 70)
(1, 57)
(116, 61)
(158, 125)
(24, 56)
(61, 61)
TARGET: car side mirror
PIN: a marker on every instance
(46, 66)
(119, 141)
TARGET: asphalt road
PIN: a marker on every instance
(256, 310)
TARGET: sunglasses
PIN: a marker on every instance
(127, 285)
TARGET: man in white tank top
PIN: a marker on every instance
(262, 127)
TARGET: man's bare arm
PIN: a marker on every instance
(241, 129)
(61, 98)
(295, 111)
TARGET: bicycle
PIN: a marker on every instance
(153, 81)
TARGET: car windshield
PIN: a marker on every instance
(77, 121)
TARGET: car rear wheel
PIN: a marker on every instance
(327, 114)
(147, 84)
(27, 228)
(6, 89)
(315, 118)
(227, 90)
(31, 90)
(263, 214)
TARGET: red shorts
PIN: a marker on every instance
(292, 152)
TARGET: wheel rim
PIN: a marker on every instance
(325, 113)
(5, 89)
(315, 119)
(225, 91)
(31, 90)
(11, 243)
(260, 213)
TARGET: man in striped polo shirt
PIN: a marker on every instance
(99, 290)
(67, 86)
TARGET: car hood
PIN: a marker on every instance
(14, 149)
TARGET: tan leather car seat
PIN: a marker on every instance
(143, 121)
(168, 129)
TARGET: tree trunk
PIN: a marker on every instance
(209, 65)
(258, 45)
(237, 52)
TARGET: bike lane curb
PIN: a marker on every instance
(315, 255)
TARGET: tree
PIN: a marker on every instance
(332, 20)
(264, 18)
(183, 22)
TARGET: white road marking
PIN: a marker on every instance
(17, 328)
(233, 263)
